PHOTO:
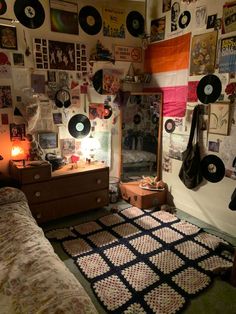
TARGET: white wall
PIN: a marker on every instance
(210, 201)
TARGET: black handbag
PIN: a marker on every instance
(190, 172)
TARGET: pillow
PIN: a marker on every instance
(11, 195)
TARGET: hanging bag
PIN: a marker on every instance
(190, 172)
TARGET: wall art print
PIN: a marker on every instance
(203, 53)
(219, 118)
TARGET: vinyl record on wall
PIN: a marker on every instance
(209, 89)
(213, 169)
(3, 7)
(184, 19)
(169, 125)
(30, 13)
(135, 23)
(107, 111)
(90, 20)
(79, 126)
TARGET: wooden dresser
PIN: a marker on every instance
(52, 195)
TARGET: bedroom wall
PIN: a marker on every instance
(209, 202)
(20, 76)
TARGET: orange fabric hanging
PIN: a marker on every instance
(168, 55)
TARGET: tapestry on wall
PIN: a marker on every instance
(140, 261)
(168, 62)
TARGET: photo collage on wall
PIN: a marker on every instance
(60, 55)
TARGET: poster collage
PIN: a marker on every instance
(65, 69)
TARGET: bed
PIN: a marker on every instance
(32, 277)
(139, 153)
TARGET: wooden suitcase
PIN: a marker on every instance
(136, 196)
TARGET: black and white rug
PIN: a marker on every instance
(140, 261)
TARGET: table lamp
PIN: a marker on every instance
(89, 146)
(18, 152)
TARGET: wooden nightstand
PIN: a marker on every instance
(64, 191)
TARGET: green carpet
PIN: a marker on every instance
(219, 298)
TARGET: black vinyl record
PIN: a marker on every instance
(30, 13)
(107, 112)
(90, 20)
(3, 7)
(79, 126)
(184, 19)
(209, 89)
(170, 126)
(98, 81)
(213, 169)
(135, 23)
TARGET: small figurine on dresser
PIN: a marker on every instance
(35, 150)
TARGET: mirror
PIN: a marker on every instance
(141, 120)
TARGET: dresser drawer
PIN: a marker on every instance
(64, 186)
(30, 174)
(67, 206)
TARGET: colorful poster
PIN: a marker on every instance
(227, 60)
(113, 23)
(64, 17)
(111, 81)
(229, 17)
(158, 29)
(203, 53)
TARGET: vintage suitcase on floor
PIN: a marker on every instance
(136, 196)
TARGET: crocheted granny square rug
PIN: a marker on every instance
(141, 261)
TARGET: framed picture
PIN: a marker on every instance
(48, 140)
(8, 37)
(219, 118)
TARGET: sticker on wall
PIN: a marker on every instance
(5, 97)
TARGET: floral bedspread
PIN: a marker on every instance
(32, 277)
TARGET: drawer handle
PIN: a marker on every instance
(37, 194)
(37, 176)
(38, 216)
(99, 200)
(99, 181)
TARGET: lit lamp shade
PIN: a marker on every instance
(18, 151)
(89, 146)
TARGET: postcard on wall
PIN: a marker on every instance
(64, 17)
(18, 59)
(227, 58)
(229, 17)
(8, 37)
(5, 97)
(113, 23)
(5, 65)
(17, 131)
(158, 29)
(219, 118)
(68, 146)
(201, 16)
(203, 53)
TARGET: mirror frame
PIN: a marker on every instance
(160, 129)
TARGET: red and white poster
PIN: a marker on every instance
(129, 54)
